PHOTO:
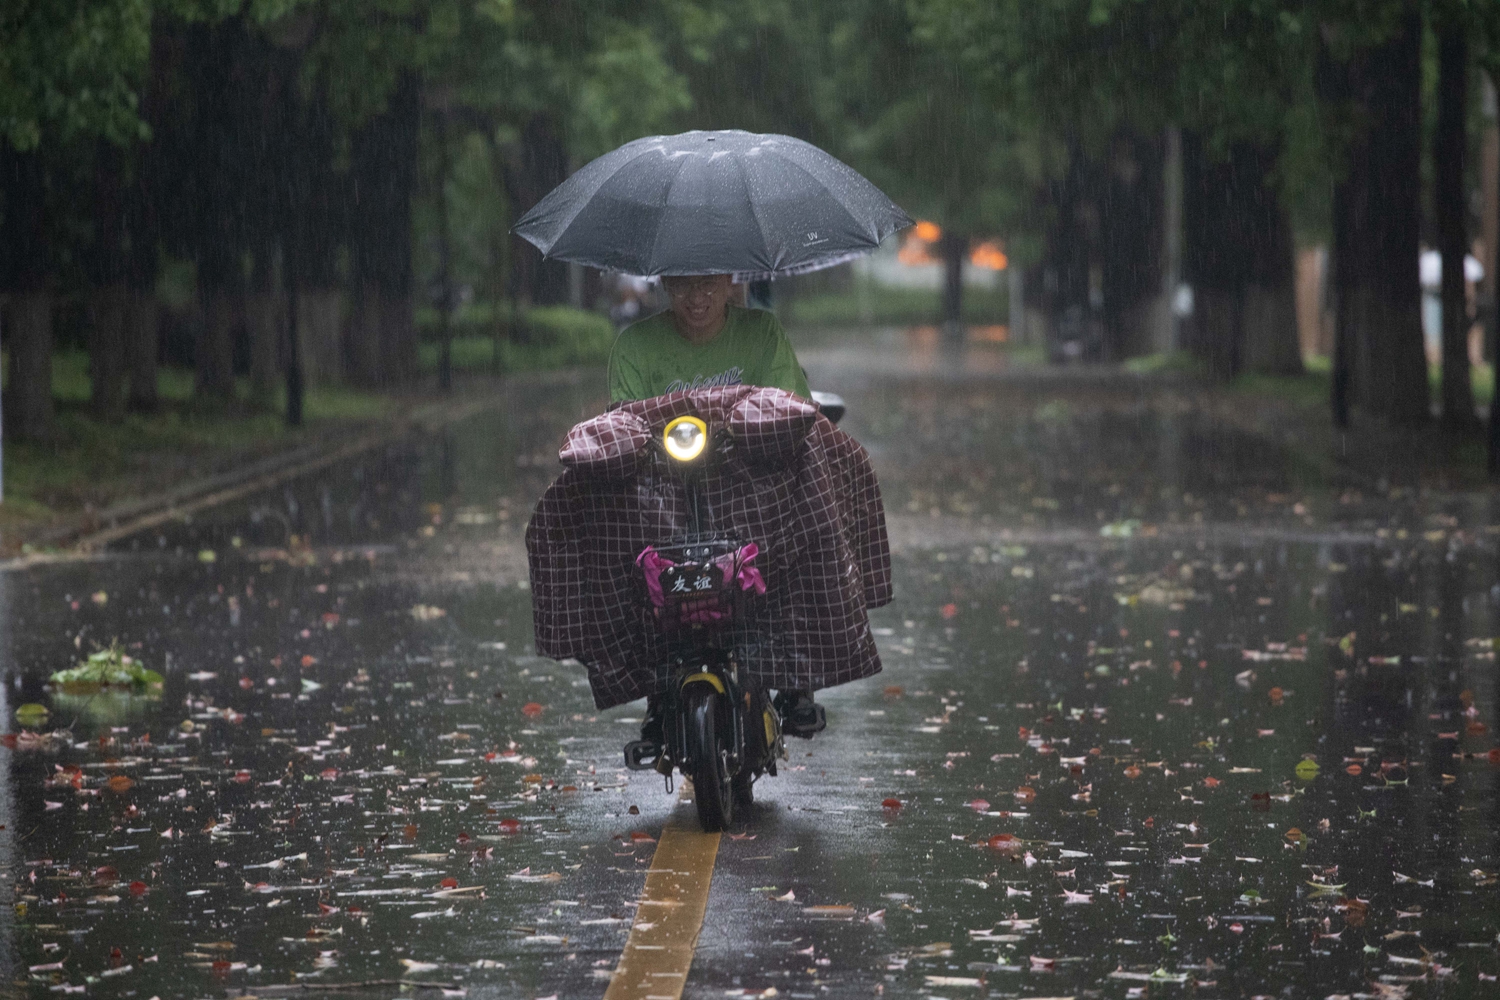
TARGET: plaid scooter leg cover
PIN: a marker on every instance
(794, 484)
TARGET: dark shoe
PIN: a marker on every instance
(648, 752)
(800, 715)
(653, 729)
(642, 756)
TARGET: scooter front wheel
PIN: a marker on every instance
(708, 760)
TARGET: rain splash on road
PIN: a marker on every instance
(1163, 711)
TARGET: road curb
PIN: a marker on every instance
(79, 540)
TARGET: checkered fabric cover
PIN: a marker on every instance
(770, 425)
(815, 513)
(611, 444)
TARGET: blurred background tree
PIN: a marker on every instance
(246, 187)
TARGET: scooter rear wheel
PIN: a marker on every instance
(713, 793)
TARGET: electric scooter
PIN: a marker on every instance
(720, 732)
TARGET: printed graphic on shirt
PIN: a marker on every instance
(731, 376)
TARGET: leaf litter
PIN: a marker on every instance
(1183, 878)
(1259, 788)
(331, 813)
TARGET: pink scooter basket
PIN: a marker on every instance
(689, 593)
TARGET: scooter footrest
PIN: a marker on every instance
(642, 755)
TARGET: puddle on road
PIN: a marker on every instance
(342, 780)
(1229, 770)
(1103, 753)
(355, 771)
(1262, 768)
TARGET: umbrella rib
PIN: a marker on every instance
(855, 179)
(582, 203)
(875, 241)
(760, 223)
(667, 201)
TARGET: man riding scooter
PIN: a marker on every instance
(704, 340)
(713, 536)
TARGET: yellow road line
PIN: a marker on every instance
(655, 963)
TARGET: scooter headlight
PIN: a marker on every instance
(685, 438)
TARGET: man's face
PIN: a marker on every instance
(699, 302)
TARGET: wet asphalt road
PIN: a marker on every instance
(1164, 709)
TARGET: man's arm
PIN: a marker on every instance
(784, 372)
(626, 380)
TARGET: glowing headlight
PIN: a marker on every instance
(685, 438)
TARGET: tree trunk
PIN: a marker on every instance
(445, 262)
(365, 336)
(143, 193)
(269, 100)
(315, 223)
(1397, 365)
(296, 389)
(385, 163)
(538, 164)
(1268, 317)
(143, 348)
(28, 397)
(1489, 301)
(1166, 336)
(263, 314)
(398, 339)
(141, 332)
(1448, 147)
(319, 319)
(1341, 383)
(952, 248)
(1489, 211)
(213, 354)
(104, 261)
(1334, 86)
(1213, 255)
(1378, 354)
(263, 320)
(1215, 336)
(1132, 220)
(219, 178)
(1064, 286)
(108, 311)
(1238, 257)
(502, 285)
(25, 260)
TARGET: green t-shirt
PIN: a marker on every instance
(651, 358)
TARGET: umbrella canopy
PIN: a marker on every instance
(729, 202)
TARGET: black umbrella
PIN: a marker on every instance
(728, 202)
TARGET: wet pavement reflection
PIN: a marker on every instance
(1164, 712)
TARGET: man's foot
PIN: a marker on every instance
(800, 715)
(653, 729)
(649, 752)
